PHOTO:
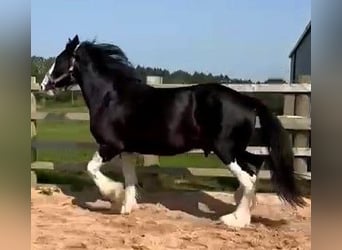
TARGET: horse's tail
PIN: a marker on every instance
(281, 157)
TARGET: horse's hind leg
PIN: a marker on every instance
(241, 217)
(255, 160)
(243, 161)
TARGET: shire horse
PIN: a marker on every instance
(127, 116)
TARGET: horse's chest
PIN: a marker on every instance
(100, 127)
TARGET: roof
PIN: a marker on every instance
(301, 38)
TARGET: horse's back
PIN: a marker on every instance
(175, 120)
(223, 113)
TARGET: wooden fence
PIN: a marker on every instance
(296, 119)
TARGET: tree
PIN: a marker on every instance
(41, 65)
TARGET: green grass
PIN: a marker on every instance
(191, 160)
(79, 132)
(62, 108)
(73, 131)
(64, 131)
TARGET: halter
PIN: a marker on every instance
(65, 75)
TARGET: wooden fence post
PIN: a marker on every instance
(33, 124)
(72, 98)
(289, 107)
(151, 160)
(301, 138)
(33, 134)
(33, 80)
(150, 182)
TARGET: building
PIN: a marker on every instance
(301, 57)
(275, 81)
(154, 80)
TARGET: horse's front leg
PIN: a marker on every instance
(128, 169)
(109, 188)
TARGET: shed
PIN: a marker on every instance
(301, 57)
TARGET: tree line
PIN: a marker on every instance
(40, 65)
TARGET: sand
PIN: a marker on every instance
(168, 220)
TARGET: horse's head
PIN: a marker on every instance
(108, 62)
(60, 74)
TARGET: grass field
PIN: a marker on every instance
(79, 132)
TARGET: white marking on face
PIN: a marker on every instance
(46, 77)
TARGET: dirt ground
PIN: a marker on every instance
(174, 220)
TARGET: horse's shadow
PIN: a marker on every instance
(196, 203)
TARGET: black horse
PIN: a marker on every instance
(129, 116)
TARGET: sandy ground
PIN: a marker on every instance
(65, 220)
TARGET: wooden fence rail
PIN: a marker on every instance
(289, 122)
(296, 119)
(283, 88)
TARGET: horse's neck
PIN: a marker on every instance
(93, 89)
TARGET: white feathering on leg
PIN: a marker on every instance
(107, 187)
(241, 217)
(130, 201)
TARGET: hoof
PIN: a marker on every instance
(114, 193)
(128, 207)
(234, 220)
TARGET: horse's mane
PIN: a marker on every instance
(110, 60)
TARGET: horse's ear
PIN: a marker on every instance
(72, 43)
(76, 39)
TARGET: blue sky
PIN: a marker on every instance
(241, 38)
